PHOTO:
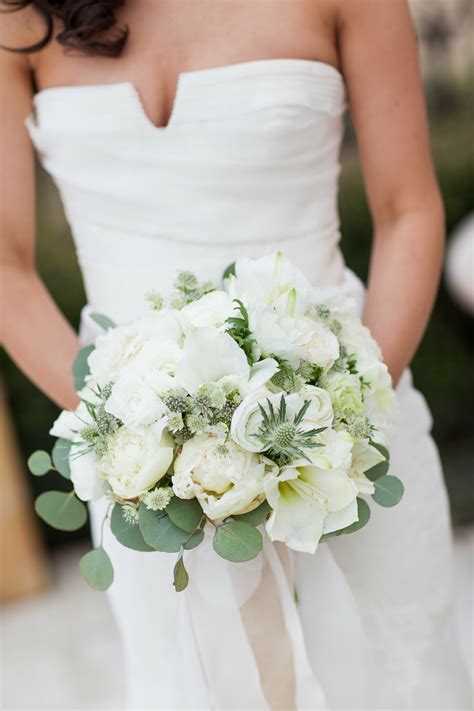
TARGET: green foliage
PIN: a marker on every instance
(127, 532)
(80, 367)
(180, 574)
(388, 491)
(237, 541)
(363, 512)
(239, 329)
(229, 271)
(185, 513)
(161, 534)
(97, 570)
(103, 321)
(60, 510)
(257, 516)
(39, 463)
(60, 454)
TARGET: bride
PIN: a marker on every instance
(184, 134)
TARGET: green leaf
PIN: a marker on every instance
(97, 570)
(60, 456)
(377, 471)
(388, 491)
(60, 510)
(383, 450)
(39, 463)
(256, 516)
(80, 367)
(237, 541)
(229, 271)
(363, 511)
(184, 513)
(104, 321)
(128, 534)
(161, 534)
(180, 574)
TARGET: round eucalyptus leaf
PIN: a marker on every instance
(388, 491)
(97, 570)
(60, 456)
(80, 367)
(229, 271)
(237, 541)
(257, 516)
(39, 463)
(377, 471)
(180, 574)
(128, 534)
(160, 532)
(195, 540)
(104, 321)
(184, 513)
(383, 450)
(363, 511)
(61, 510)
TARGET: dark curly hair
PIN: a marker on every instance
(85, 25)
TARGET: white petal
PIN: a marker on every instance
(342, 518)
(87, 485)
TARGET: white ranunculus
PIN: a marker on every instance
(135, 461)
(294, 339)
(133, 402)
(88, 484)
(248, 418)
(346, 394)
(223, 477)
(212, 309)
(272, 280)
(308, 501)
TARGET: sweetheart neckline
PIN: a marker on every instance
(217, 73)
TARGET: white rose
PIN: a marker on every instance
(135, 461)
(379, 397)
(113, 350)
(319, 412)
(357, 340)
(212, 309)
(161, 325)
(156, 362)
(133, 402)
(223, 477)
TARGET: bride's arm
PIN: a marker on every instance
(32, 329)
(380, 62)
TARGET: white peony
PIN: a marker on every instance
(135, 461)
(223, 477)
(308, 501)
(133, 402)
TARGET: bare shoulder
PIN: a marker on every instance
(19, 29)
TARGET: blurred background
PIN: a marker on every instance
(40, 579)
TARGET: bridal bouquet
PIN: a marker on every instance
(254, 408)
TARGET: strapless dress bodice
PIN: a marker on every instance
(248, 164)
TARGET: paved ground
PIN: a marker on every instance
(60, 649)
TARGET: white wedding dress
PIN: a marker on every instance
(249, 165)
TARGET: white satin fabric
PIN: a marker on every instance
(247, 165)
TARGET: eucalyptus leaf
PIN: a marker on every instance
(97, 570)
(60, 456)
(383, 450)
(363, 511)
(128, 534)
(180, 574)
(377, 471)
(184, 513)
(229, 271)
(389, 491)
(237, 541)
(257, 516)
(80, 367)
(104, 321)
(39, 463)
(61, 510)
(161, 534)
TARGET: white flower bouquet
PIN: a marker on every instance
(253, 408)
